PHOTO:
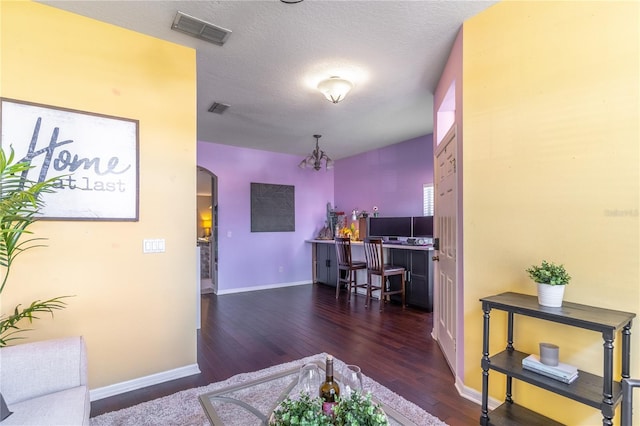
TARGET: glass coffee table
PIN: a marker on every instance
(252, 402)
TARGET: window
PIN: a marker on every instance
(427, 199)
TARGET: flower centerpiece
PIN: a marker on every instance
(355, 409)
(348, 232)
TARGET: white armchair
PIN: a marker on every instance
(45, 383)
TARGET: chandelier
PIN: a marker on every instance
(316, 158)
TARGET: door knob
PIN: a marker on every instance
(435, 258)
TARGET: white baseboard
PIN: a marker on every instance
(142, 382)
(475, 396)
(262, 287)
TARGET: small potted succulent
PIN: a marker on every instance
(551, 280)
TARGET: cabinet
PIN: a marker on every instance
(418, 263)
(205, 259)
(600, 392)
(419, 277)
(326, 264)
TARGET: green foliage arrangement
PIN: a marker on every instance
(304, 411)
(549, 273)
(354, 410)
(20, 200)
(359, 410)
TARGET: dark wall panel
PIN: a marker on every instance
(272, 208)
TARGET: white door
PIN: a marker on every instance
(445, 310)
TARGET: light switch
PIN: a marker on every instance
(155, 245)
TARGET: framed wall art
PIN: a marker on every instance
(272, 208)
(93, 157)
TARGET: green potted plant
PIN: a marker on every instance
(551, 280)
(20, 201)
(355, 409)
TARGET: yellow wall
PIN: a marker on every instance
(137, 311)
(551, 171)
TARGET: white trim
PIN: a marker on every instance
(262, 287)
(143, 382)
(475, 396)
(198, 289)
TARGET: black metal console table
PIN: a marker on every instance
(602, 393)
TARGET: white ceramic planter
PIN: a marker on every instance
(550, 295)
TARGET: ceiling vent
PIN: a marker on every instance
(200, 29)
(218, 108)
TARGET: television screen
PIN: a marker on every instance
(390, 226)
(422, 226)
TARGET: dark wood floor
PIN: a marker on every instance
(250, 331)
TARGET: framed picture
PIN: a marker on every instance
(93, 157)
(272, 208)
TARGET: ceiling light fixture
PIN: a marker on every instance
(335, 89)
(316, 158)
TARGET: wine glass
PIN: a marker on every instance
(352, 378)
(309, 379)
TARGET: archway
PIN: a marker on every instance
(207, 225)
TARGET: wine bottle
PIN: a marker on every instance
(329, 389)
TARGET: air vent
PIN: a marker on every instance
(218, 108)
(200, 29)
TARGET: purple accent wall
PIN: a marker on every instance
(390, 178)
(252, 259)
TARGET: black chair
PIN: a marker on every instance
(374, 255)
(347, 268)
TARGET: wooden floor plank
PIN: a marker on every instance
(249, 331)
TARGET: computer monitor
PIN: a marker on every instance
(383, 227)
(422, 226)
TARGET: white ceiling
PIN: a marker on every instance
(393, 51)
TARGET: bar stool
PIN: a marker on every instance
(374, 255)
(349, 267)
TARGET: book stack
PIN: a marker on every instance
(563, 372)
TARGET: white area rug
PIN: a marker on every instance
(183, 408)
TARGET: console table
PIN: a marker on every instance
(602, 393)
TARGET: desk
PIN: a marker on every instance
(415, 259)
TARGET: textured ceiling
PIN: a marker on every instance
(393, 51)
